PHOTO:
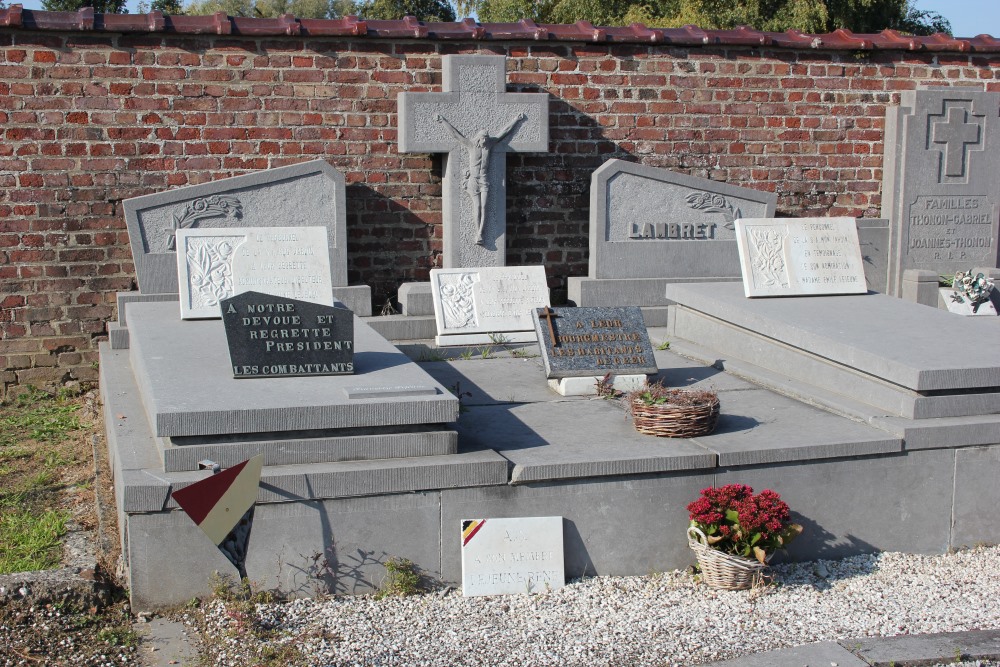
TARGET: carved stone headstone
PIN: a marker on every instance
(215, 264)
(940, 191)
(650, 227)
(470, 305)
(475, 122)
(800, 256)
(271, 336)
(302, 195)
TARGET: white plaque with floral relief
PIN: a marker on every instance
(217, 263)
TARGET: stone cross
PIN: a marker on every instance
(475, 122)
(955, 134)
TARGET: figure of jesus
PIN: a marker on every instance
(475, 179)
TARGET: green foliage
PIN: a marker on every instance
(814, 16)
(30, 541)
(119, 635)
(100, 6)
(424, 10)
(401, 579)
(36, 415)
(312, 9)
(169, 7)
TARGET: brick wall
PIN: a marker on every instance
(89, 118)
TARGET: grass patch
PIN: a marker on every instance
(43, 451)
(30, 540)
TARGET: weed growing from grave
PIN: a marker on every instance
(246, 616)
(467, 355)
(665, 345)
(432, 355)
(459, 394)
(522, 353)
(499, 339)
(486, 352)
(388, 308)
(605, 388)
(401, 579)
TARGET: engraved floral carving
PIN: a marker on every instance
(203, 209)
(767, 259)
(210, 268)
(710, 202)
(457, 300)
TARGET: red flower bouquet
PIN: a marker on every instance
(735, 521)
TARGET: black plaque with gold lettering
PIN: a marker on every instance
(577, 342)
(273, 336)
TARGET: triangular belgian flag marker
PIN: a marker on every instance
(222, 506)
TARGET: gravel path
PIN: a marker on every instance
(664, 619)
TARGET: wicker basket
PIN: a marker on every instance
(722, 570)
(667, 420)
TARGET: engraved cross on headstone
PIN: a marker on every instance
(956, 134)
(548, 315)
(475, 122)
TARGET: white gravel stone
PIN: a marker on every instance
(665, 619)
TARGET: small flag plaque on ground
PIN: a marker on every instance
(504, 556)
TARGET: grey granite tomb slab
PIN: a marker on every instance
(939, 189)
(170, 561)
(759, 427)
(940, 648)
(647, 222)
(565, 440)
(873, 509)
(976, 469)
(474, 107)
(301, 195)
(183, 371)
(873, 236)
(899, 342)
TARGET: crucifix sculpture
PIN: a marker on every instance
(475, 122)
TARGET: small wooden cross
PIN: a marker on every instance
(548, 315)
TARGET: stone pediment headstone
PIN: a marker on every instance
(301, 195)
(511, 556)
(271, 336)
(647, 222)
(582, 342)
(800, 256)
(475, 122)
(940, 190)
(215, 264)
(470, 305)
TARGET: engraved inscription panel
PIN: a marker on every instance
(487, 300)
(944, 228)
(805, 256)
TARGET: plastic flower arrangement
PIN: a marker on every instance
(738, 522)
(974, 288)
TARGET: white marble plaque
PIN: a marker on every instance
(215, 264)
(800, 256)
(504, 556)
(470, 304)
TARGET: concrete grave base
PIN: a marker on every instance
(873, 481)
(587, 386)
(330, 527)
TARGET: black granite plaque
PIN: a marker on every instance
(577, 342)
(273, 336)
